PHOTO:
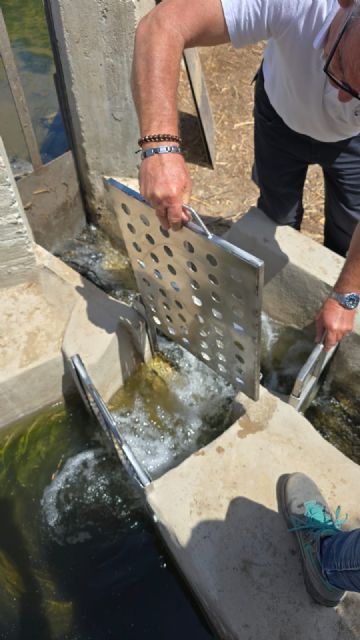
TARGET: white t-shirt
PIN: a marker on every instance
(295, 83)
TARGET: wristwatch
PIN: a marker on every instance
(347, 300)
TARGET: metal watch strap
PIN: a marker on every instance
(347, 300)
(156, 150)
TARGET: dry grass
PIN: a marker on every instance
(227, 192)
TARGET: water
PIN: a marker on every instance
(79, 558)
(28, 34)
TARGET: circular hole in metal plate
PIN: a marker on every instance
(172, 331)
(178, 304)
(146, 281)
(175, 285)
(188, 246)
(239, 358)
(191, 266)
(238, 327)
(215, 297)
(239, 372)
(217, 314)
(199, 318)
(144, 220)
(164, 232)
(205, 356)
(240, 381)
(171, 269)
(221, 368)
(219, 344)
(238, 345)
(168, 251)
(154, 257)
(203, 344)
(195, 284)
(151, 296)
(221, 357)
(182, 318)
(237, 296)
(125, 209)
(163, 292)
(184, 329)
(203, 333)
(211, 260)
(157, 320)
(131, 227)
(196, 301)
(137, 247)
(149, 238)
(141, 264)
(213, 279)
(166, 306)
(169, 319)
(185, 340)
(157, 274)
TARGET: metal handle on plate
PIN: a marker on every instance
(196, 217)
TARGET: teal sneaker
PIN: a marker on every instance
(308, 516)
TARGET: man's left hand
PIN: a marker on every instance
(336, 321)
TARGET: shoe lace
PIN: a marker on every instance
(317, 517)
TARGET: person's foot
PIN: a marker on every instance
(308, 516)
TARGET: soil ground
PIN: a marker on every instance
(227, 192)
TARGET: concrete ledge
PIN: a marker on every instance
(299, 274)
(52, 318)
(217, 512)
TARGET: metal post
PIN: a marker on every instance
(18, 94)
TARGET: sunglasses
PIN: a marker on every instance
(340, 83)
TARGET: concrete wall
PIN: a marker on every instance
(17, 257)
(299, 275)
(95, 44)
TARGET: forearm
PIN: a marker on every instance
(155, 75)
(349, 279)
(160, 39)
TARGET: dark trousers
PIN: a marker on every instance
(282, 157)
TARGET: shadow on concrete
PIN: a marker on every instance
(250, 572)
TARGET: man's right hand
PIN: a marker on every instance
(166, 184)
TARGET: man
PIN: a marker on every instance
(302, 115)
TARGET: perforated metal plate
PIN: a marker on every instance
(203, 293)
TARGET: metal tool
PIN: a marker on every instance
(309, 374)
(97, 407)
(197, 289)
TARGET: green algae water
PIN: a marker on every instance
(79, 558)
(28, 33)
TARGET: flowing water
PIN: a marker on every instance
(79, 558)
(29, 38)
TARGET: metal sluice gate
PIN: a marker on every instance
(201, 292)
(197, 289)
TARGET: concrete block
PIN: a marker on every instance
(217, 512)
(17, 256)
(96, 55)
(299, 274)
(53, 204)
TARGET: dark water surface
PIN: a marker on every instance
(29, 38)
(79, 559)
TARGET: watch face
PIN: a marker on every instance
(352, 301)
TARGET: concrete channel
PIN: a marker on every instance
(217, 510)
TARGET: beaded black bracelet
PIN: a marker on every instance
(159, 137)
